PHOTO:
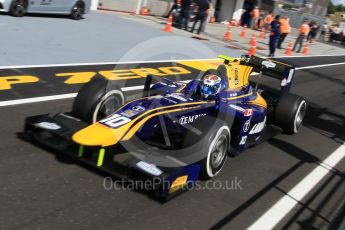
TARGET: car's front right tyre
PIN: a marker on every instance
(212, 145)
(217, 154)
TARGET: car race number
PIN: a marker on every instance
(115, 121)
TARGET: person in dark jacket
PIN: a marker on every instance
(184, 14)
(274, 35)
(314, 28)
(174, 7)
(201, 16)
(246, 18)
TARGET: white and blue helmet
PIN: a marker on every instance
(210, 85)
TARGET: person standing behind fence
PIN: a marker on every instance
(274, 35)
(203, 10)
(285, 29)
(184, 14)
(303, 31)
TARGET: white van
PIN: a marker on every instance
(74, 8)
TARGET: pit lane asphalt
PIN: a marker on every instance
(41, 190)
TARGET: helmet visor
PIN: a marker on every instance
(209, 90)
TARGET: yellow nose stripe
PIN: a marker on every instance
(97, 135)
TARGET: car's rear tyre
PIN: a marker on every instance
(97, 100)
(213, 145)
(18, 8)
(290, 112)
(78, 11)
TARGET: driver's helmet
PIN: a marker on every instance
(210, 85)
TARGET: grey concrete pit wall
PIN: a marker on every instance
(119, 5)
(156, 7)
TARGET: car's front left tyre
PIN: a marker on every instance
(96, 100)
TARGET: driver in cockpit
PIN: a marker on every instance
(210, 85)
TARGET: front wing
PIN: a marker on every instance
(55, 132)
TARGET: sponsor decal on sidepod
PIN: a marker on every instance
(190, 119)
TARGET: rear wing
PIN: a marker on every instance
(268, 67)
(271, 68)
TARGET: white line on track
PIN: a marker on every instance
(37, 99)
(131, 88)
(102, 63)
(61, 96)
(279, 210)
(321, 55)
(55, 97)
(318, 66)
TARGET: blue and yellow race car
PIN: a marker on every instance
(177, 132)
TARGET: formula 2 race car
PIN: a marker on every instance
(176, 132)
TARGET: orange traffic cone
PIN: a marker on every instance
(144, 11)
(244, 32)
(252, 41)
(262, 34)
(306, 48)
(227, 35)
(288, 50)
(169, 24)
(252, 50)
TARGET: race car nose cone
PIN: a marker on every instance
(96, 135)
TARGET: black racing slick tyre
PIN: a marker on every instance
(96, 100)
(77, 11)
(18, 8)
(213, 145)
(290, 112)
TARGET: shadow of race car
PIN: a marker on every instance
(177, 132)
